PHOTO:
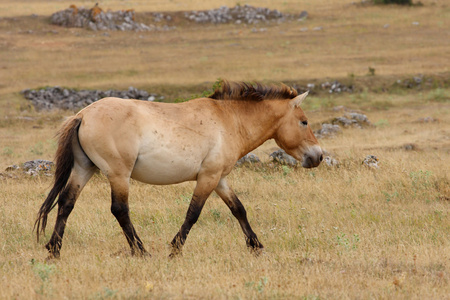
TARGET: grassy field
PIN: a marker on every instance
(346, 232)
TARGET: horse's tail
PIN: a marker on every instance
(64, 160)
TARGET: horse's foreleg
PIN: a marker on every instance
(238, 210)
(120, 210)
(205, 186)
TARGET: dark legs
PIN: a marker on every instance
(201, 193)
(205, 186)
(238, 210)
(66, 201)
(194, 210)
(120, 210)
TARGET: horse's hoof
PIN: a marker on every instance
(256, 251)
(145, 255)
(52, 257)
(175, 254)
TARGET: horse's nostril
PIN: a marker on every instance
(321, 157)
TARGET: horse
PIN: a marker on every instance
(167, 143)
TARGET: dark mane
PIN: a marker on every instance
(252, 92)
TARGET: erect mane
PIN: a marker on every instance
(252, 92)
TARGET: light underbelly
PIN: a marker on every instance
(165, 169)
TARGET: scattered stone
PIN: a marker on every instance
(63, 98)
(281, 157)
(371, 161)
(332, 87)
(328, 131)
(12, 168)
(414, 82)
(303, 29)
(410, 147)
(386, 26)
(415, 23)
(303, 15)
(336, 87)
(352, 119)
(331, 161)
(340, 108)
(310, 86)
(248, 158)
(255, 30)
(427, 120)
(318, 28)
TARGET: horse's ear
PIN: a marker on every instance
(297, 101)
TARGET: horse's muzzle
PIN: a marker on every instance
(312, 157)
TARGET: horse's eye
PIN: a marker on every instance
(304, 123)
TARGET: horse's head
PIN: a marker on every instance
(294, 135)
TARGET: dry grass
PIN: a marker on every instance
(347, 232)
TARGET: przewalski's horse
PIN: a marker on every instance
(161, 143)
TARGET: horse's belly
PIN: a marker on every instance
(156, 169)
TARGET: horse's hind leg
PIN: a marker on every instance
(238, 210)
(120, 210)
(66, 201)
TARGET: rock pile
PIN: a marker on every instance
(240, 14)
(63, 98)
(97, 19)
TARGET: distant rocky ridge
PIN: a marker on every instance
(240, 14)
(63, 98)
(96, 18)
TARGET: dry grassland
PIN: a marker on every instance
(346, 232)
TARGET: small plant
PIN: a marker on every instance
(186, 198)
(106, 293)
(259, 286)
(286, 170)
(371, 71)
(420, 178)
(382, 123)
(216, 214)
(390, 197)
(438, 95)
(348, 243)
(37, 149)
(43, 271)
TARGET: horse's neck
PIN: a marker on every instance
(257, 122)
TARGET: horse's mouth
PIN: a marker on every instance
(312, 157)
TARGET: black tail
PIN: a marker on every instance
(64, 160)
